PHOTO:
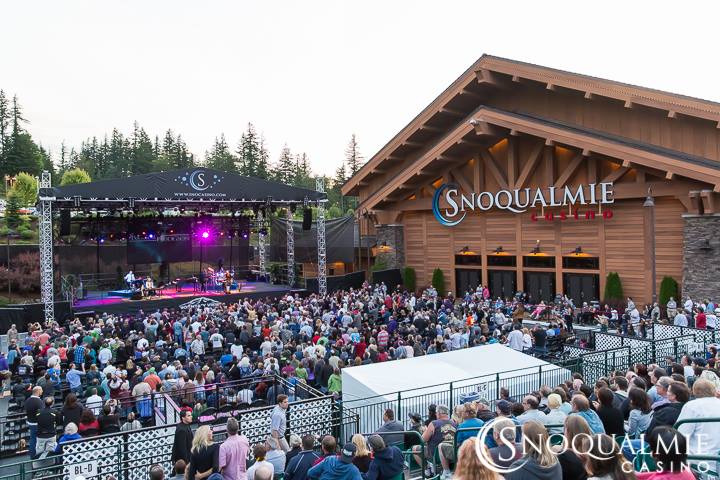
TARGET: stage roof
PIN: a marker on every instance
(184, 186)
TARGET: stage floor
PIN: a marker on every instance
(102, 302)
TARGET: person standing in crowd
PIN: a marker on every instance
(47, 422)
(182, 442)
(233, 453)
(33, 406)
(203, 455)
(278, 421)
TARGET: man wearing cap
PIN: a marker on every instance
(387, 462)
(337, 467)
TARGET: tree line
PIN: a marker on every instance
(119, 155)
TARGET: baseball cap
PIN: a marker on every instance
(504, 407)
(348, 452)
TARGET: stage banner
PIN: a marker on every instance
(338, 239)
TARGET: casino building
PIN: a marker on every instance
(522, 177)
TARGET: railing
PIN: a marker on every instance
(127, 455)
(371, 409)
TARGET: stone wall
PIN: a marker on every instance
(701, 250)
(393, 252)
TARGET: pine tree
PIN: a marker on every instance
(220, 157)
(20, 152)
(284, 171)
(4, 122)
(248, 154)
(264, 171)
(64, 165)
(303, 175)
(182, 158)
(141, 160)
(353, 159)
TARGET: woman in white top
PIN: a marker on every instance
(527, 340)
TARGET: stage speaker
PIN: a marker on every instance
(307, 219)
(65, 222)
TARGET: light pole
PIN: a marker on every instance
(650, 205)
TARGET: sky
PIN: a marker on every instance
(312, 73)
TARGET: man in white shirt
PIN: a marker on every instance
(130, 278)
(94, 402)
(515, 339)
(197, 346)
(711, 319)
(236, 350)
(702, 438)
(216, 340)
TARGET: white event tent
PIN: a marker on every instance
(410, 385)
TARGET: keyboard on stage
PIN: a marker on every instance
(180, 282)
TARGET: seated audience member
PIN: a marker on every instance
(702, 437)
(603, 460)
(669, 449)
(539, 462)
(298, 466)
(581, 407)
(387, 462)
(469, 466)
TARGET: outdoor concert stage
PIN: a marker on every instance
(103, 302)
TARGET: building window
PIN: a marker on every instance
(581, 263)
(464, 259)
(539, 261)
(502, 261)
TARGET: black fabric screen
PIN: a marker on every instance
(338, 282)
(158, 251)
(392, 277)
(338, 241)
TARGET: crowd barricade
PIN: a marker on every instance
(649, 350)
(128, 455)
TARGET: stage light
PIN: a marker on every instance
(151, 236)
(205, 235)
(245, 234)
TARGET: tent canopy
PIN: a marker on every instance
(184, 186)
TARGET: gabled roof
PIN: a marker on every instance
(491, 70)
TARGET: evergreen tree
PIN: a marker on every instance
(220, 157)
(12, 216)
(46, 160)
(249, 158)
(116, 163)
(183, 158)
(265, 169)
(141, 154)
(22, 155)
(64, 159)
(353, 159)
(284, 171)
(4, 122)
(303, 175)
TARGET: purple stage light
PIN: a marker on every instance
(151, 236)
(205, 235)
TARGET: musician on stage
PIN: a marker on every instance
(203, 281)
(130, 279)
(228, 281)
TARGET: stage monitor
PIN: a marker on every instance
(159, 241)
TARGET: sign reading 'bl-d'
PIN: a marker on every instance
(517, 200)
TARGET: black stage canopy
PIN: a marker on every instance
(189, 186)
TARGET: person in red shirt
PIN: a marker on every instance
(360, 348)
(700, 319)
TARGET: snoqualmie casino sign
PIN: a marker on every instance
(517, 200)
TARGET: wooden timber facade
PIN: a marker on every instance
(508, 125)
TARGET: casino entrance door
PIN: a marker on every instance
(466, 279)
(502, 283)
(581, 287)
